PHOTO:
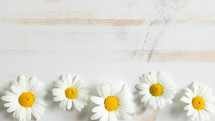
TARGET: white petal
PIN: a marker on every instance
(152, 103)
(97, 100)
(169, 93)
(185, 99)
(76, 104)
(80, 104)
(144, 79)
(36, 114)
(58, 91)
(99, 91)
(23, 83)
(142, 86)
(16, 83)
(104, 116)
(60, 98)
(40, 101)
(162, 101)
(13, 108)
(14, 114)
(9, 98)
(17, 114)
(22, 114)
(188, 107)
(78, 85)
(201, 91)
(28, 114)
(189, 92)
(61, 85)
(190, 112)
(195, 114)
(144, 92)
(39, 108)
(124, 108)
(36, 87)
(162, 76)
(124, 93)
(210, 99)
(158, 102)
(83, 98)
(15, 90)
(149, 78)
(63, 104)
(188, 95)
(97, 115)
(202, 117)
(106, 90)
(10, 104)
(67, 78)
(8, 93)
(207, 91)
(195, 88)
(209, 107)
(75, 80)
(112, 116)
(97, 109)
(145, 98)
(206, 115)
(116, 87)
(40, 88)
(32, 82)
(69, 104)
(153, 77)
(118, 114)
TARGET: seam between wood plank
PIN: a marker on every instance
(125, 55)
(113, 22)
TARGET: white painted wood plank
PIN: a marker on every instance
(107, 40)
(48, 70)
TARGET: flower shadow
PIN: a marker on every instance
(86, 112)
(177, 109)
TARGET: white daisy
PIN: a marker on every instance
(70, 92)
(25, 99)
(199, 102)
(115, 101)
(156, 89)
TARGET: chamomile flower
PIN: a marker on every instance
(25, 99)
(114, 101)
(199, 102)
(70, 92)
(156, 89)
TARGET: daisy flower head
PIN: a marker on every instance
(199, 102)
(25, 99)
(156, 89)
(70, 91)
(115, 101)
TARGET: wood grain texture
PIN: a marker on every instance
(58, 35)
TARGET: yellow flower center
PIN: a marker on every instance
(26, 99)
(198, 103)
(156, 89)
(71, 93)
(111, 103)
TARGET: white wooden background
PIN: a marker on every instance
(107, 40)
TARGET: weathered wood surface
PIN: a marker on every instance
(107, 40)
(140, 30)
